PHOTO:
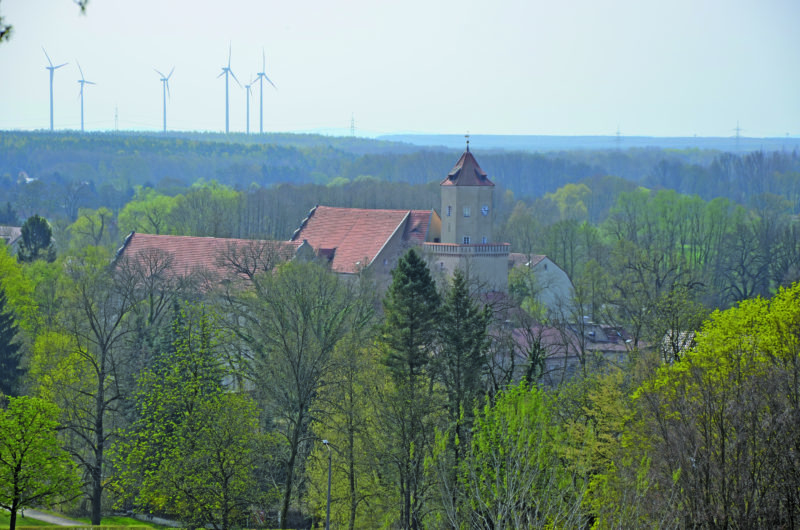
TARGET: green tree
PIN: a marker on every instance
(83, 373)
(10, 369)
(93, 227)
(460, 361)
(37, 240)
(191, 452)
(148, 212)
(291, 321)
(511, 476)
(34, 469)
(725, 418)
(346, 419)
(407, 340)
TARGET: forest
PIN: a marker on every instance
(207, 400)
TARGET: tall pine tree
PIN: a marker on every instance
(407, 339)
(37, 240)
(10, 371)
(461, 356)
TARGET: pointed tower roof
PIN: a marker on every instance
(467, 172)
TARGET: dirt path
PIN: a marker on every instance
(52, 519)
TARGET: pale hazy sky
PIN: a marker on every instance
(663, 68)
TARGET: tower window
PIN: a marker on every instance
(449, 211)
(484, 240)
(466, 240)
(466, 211)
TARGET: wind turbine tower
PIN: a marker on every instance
(261, 76)
(52, 69)
(165, 92)
(82, 81)
(226, 70)
(248, 87)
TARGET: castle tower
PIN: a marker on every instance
(467, 203)
(467, 216)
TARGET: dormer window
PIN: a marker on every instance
(466, 211)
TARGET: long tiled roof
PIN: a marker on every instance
(354, 236)
(206, 254)
(467, 172)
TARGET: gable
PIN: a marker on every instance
(351, 238)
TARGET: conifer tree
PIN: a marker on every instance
(461, 356)
(10, 371)
(408, 336)
(37, 240)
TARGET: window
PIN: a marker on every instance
(466, 211)
(484, 240)
(466, 240)
(449, 211)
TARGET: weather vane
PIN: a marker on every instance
(467, 137)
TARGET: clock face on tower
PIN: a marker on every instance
(485, 210)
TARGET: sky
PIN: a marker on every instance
(542, 67)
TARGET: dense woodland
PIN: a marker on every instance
(207, 401)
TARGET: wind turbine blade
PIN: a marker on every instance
(159, 73)
(234, 78)
(263, 61)
(166, 84)
(48, 57)
(79, 68)
(90, 82)
(170, 72)
(223, 73)
(270, 82)
(229, 55)
(59, 66)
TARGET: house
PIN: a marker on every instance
(11, 235)
(554, 289)
(565, 349)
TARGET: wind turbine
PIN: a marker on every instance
(261, 76)
(52, 69)
(82, 81)
(248, 87)
(225, 71)
(165, 92)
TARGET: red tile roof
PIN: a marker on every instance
(355, 236)
(205, 254)
(467, 172)
(417, 227)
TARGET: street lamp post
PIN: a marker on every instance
(328, 507)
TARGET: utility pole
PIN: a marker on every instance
(352, 125)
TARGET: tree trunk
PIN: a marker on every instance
(287, 496)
